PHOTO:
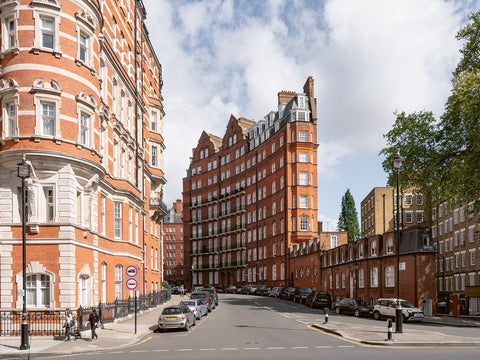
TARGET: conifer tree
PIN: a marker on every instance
(348, 219)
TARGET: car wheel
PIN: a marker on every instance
(186, 326)
(356, 313)
(337, 310)
(194, 322)
(376, 315)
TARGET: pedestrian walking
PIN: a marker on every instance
(69, 324)
(93, 319)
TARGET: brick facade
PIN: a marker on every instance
(80, 94)
(334, 270)
(173, 260)
(252, 193)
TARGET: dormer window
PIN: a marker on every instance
(301, 101)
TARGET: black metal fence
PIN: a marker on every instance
(50, 322)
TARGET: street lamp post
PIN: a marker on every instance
(355, 267)
(397, 164)
(23, 172)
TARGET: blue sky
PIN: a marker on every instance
(368, 58)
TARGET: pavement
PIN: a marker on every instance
(379, 335)
(121, 334)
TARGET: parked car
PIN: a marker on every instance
(275, 291)
(356, 307)
(231, 289)
(249, 289)
(176, 317)
(259, 290)
(245, 289)
(198, 306)
(300, 294)
(385, 308)
(213, 291)
(204, 295)
(287, 293)
(319, 299)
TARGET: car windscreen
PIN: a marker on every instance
(188, 303)
(304, 290)
(198, 296)
(360, 302)
(171, 311)
(406, 304)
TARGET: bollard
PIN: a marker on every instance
(325, 310)
(390, 330)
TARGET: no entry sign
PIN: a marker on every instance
(131, 277)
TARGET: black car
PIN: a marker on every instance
(287, 293)
(259, 290)
(319, 299)
(356, 307)
(301, 293)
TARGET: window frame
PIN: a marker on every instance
(50, 14)
(117, 219)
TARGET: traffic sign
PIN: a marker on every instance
(131, 277)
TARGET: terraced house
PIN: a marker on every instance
(252, 193)
(80, 94)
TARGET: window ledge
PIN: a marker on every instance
(36, 50)
(15, 138)
(14, 50)
(80, 62)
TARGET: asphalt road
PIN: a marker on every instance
(249, 327)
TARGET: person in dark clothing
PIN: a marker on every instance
(93, 320)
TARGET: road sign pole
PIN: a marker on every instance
(135, 312)
(131, 284)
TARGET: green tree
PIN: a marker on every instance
(442, 157)
(348, 219)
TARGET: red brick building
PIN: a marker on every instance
(173, 251)
(252, 193)
(368, 268)
(80, 94)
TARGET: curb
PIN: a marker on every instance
(28, 354)
(394, 343)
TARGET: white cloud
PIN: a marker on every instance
(368, 58)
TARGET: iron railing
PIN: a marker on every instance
(50, 322)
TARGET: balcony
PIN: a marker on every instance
(159, 207)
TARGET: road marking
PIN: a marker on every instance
(229, 349)
(207, 349)
(138, 351)
(162, 350)
(276, 348)
(184, 349)
(323, 347)
(256, 348)
(300, 347)
(116, 352)
(346, 346)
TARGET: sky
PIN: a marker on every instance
(369, 59)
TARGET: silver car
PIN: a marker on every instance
(176, 317)
(198, 306)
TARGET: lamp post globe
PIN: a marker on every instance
(23, 172)
(397, 164)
